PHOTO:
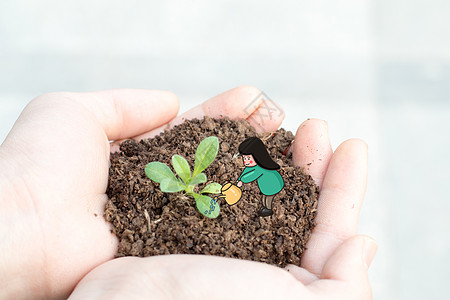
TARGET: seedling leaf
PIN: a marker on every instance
(205, 154)
(200, 178)
(182, 168)
(170, 185)
(207, 206)
(158, 171)
(212, 188)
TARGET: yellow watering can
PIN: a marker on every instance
(232, 193)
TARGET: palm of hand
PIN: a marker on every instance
(65, 169)
(68, 196)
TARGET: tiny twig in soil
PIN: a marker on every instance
(157, 221)
(147, 217)
(268, 137)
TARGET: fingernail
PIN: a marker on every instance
(370, 248)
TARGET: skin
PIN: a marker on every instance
(55, 242)
(249, 161)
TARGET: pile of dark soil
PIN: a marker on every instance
(150, 222)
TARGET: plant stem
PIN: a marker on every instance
(189, 189)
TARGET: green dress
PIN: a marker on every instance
(269, 181)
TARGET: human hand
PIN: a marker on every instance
(335, 266)
(239, 184)
(54, 174)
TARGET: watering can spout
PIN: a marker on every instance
(232, 193)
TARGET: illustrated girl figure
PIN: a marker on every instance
(259, 166)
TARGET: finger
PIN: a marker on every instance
(124, 113)
(339, 204)
(244, 102)
(267, 115)
(301, 274)
(351, 260)
(312, 149)
(349, 263)
(188, 277)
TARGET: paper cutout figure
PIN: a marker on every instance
(259, 166)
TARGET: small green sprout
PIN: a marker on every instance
(169, 183)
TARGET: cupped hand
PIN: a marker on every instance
(55, 173)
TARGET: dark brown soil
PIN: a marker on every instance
(149, 222)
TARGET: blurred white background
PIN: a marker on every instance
(377, 70)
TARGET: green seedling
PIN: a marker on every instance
(187, 182)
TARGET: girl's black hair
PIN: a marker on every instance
(257, 149)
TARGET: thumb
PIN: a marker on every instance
(124, 113)
(350, 263)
